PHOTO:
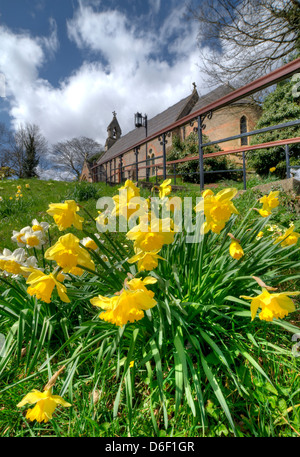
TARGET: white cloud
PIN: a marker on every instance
(128, 74)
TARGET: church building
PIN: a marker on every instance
(119, 159)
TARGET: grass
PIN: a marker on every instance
(270, 409)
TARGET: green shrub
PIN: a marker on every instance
(83, 191)
(190, 170)
(279, 107)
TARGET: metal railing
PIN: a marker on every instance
(117, 174)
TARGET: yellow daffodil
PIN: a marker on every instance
(65, 214)
(217, 209)
(152, 237)
(127, 306)
(236, 250)
(45, 405)
(288, 238)
(131, 365)
(42, 285)
(207, 193)
(146, 260)
(123, 207)
(259, 235)
(68, 254)
(140, 284)
(272, 169)
(27, 186)
(269, 202)
(165, 188)
(272, 306)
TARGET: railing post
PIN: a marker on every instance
(121, 168)
(137, 163)
(201, 168)
(287, 160)
(156, 180)
(174, 168)
(244, 171)
(164, 156)
(106, 173)
(110, 172)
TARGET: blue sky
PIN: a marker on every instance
(68, 64)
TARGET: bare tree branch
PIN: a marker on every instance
(71, 154)
(240, 41)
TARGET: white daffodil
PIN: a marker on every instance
(18, 236)
(30, 263)
(40, 226)
(34, 239)
(90, 244)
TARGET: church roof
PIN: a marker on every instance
(155, 124)
(187, 105)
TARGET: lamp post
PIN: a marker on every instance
(141, 121)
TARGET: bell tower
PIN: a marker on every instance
(114, 132)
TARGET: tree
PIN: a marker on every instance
(31, 159)
(279, 106)
(5, 140)
(71, 154)
(246, 38)
(25, 146)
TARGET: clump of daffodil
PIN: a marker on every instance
(69, 255)
(269, 202)
(288, 238)
(42, 285)
(65, 214)
(129, 304)
(45, 402)
(217, 209)
(277, 305)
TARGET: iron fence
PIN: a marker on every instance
(116, 174)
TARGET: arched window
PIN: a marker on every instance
(243, 129)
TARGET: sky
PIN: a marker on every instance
(66, 65)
